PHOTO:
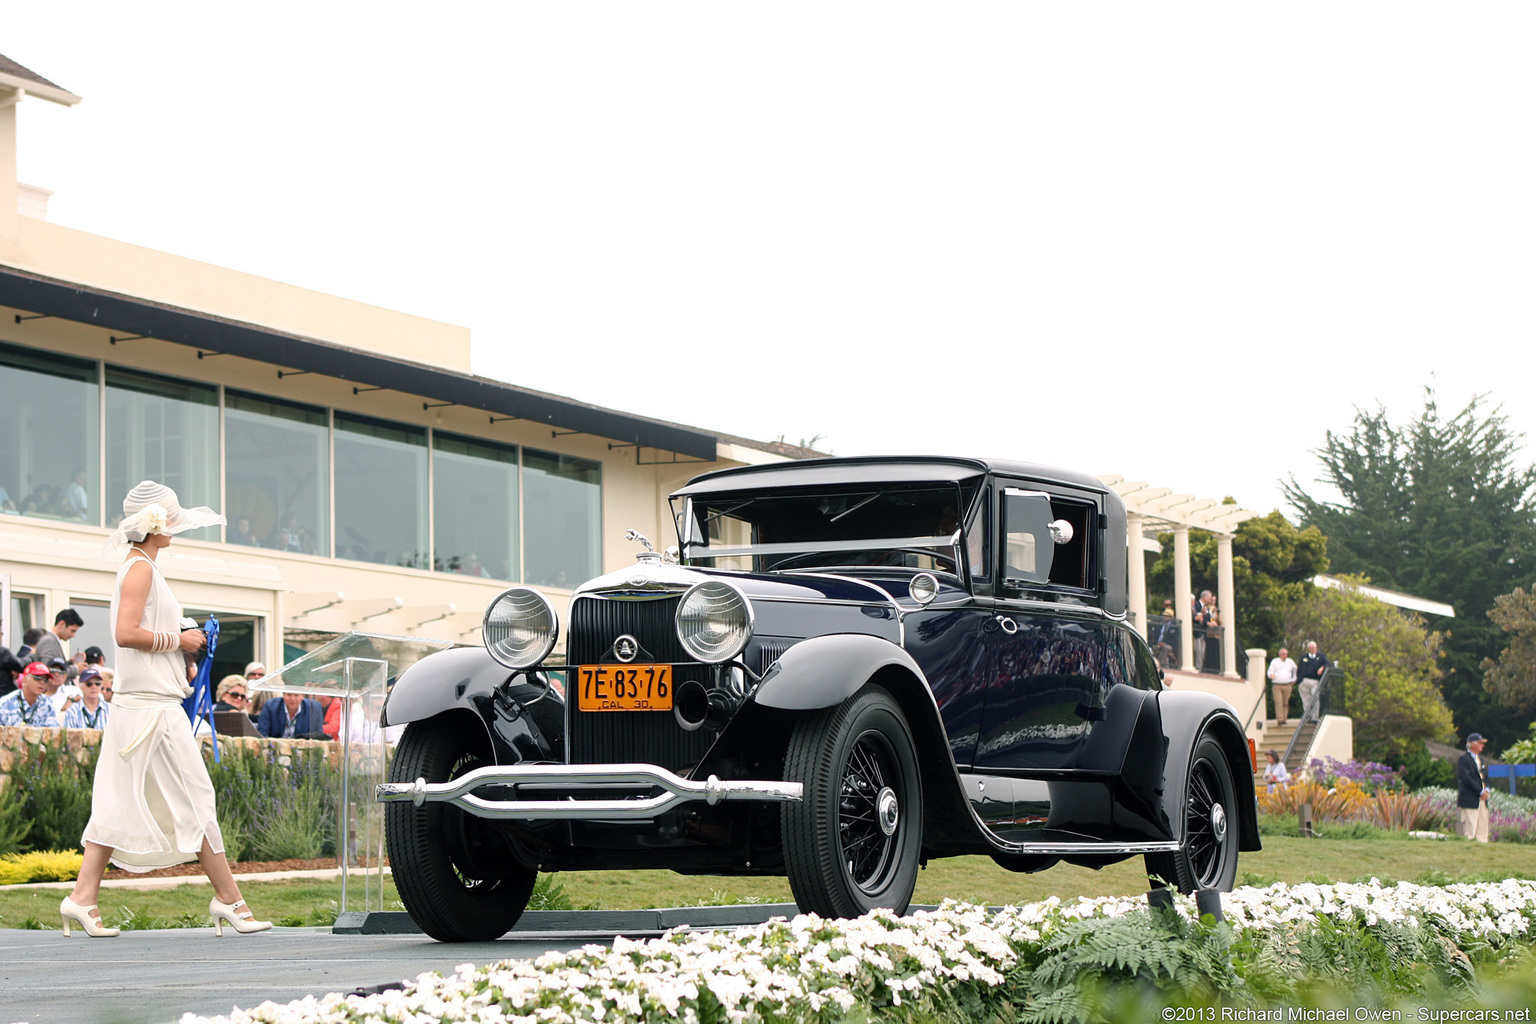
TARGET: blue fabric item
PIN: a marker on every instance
(200, 704)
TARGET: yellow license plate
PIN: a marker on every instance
(624, 688)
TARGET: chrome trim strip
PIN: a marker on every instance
(678, 791)
(700, 550)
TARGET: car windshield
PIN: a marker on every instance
(912, 526)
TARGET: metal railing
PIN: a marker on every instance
(1329, 700)
(1164, 639)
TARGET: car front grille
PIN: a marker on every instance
(620, 737)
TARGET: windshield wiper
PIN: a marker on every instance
(727, 511)
(851, 511)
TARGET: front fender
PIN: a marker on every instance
(523, 720)
(826, 670)
(1187, 714)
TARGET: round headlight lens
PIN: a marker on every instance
(714, 621)
(520, 627)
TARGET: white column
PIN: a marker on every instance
(1226, 600)
(10, 216)
(1136, 572)
(1181, 596)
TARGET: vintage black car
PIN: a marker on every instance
(847, 667)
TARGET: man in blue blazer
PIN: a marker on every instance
(294, 717)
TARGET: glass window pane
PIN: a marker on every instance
(97, 631)
(49, 435)
(381, 492)
(276, 474)
(563, 518)
(474, 511)
(163, 430)
(1027, 544)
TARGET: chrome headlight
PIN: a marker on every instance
(520, 627)
(714, 621)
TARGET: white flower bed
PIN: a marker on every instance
(808, 968)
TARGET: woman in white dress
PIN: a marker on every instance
(152, 802)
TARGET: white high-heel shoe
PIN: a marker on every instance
(242, 920)
(69, 910)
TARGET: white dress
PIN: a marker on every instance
(152, 801)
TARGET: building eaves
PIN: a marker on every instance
(18, 76)
(143, 317)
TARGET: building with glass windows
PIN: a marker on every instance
(370, 479)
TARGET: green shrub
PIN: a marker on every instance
(244, 781)
(275, 806)
(293, 826)
(56, 791)
(15, 825)
(1422, 769)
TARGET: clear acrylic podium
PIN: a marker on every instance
(357, 669)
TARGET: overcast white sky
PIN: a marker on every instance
(1173, 241)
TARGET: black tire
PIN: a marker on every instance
(1208, 858)
(853, 843)
(454, 873)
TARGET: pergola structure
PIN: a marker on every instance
(1160, 510)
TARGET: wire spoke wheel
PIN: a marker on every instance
(1208, 857)
(867, 841)
(853, 842)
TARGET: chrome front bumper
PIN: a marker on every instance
(610, 776)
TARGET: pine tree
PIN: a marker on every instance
(1438, 508)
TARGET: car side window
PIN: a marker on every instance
(1027, 545)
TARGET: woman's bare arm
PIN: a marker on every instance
(130, 612)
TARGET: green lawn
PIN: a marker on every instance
(969, 878)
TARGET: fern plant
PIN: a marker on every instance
(1159, 954)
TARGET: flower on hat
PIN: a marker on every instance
(155, 518)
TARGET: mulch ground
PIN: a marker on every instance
(238, 867)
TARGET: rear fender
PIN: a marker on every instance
(1187, 715)
(520, 716)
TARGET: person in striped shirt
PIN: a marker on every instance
(91, 711)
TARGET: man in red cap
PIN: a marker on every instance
(29, 705)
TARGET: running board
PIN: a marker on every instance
(679, 790)
(1087, 846)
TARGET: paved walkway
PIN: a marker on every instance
(153, 977)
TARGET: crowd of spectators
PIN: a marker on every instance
(56, 501)
(288, 534)
(41, 686)
(47, 690)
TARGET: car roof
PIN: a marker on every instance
(875, 469)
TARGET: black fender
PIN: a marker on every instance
(1187, 715)
(823, 672)
(519, 714)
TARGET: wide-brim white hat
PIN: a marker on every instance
(154, 508)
